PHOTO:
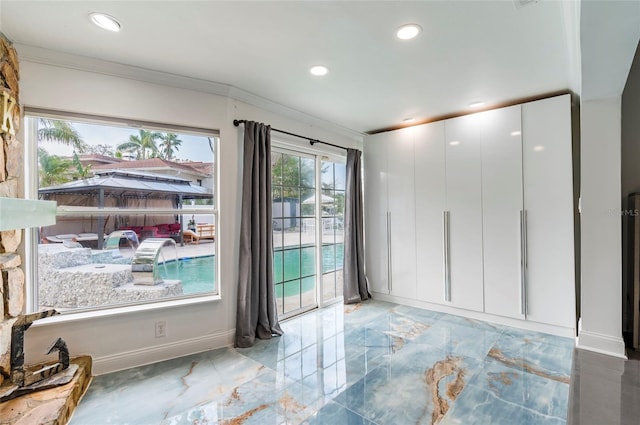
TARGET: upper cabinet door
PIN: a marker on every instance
(548, 201)
(464, 205)
(401, 207)
(501, 210)
(375, 211)
(430, 205)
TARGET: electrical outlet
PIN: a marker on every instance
(161, 328)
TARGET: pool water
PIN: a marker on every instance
(198, 274)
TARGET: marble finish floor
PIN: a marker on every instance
(373, 363)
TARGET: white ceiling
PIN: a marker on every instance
(468, 51)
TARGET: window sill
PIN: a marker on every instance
(124, 310)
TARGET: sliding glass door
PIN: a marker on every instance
(308, 208)
(294, 236)
(333, 187)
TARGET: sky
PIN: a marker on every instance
(194, 148)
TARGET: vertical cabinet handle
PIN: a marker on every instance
(389, 279)
(447, 262)
(523, 263)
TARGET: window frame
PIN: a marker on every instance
(31, 187)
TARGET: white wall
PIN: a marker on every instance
(601, 319)
(127, 339)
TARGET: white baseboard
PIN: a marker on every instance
(600, 343)
(158, 353)
(508, 321)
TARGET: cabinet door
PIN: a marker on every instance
(401, 207)
(430, 206)
(548, 200)
(464, 204)
(501, 211)
(375, 211)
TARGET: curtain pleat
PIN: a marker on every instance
(355, 287)
(257, 314)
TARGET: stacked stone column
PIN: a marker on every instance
(11, 186)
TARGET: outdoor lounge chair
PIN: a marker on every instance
(190, 236)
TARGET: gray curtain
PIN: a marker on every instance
(256, 315)
(355, 282)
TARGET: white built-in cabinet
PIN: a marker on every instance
(463, 187)
(503, 213)
(476, 213)
(392, 213)
(548, 200)
(430, 196)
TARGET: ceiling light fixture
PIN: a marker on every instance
(319, 70)
(516, 133)
(476, 104)
(105, 22)
(454, 142)
(408, 31)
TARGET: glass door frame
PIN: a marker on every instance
(319, 156)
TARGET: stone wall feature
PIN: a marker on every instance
(15, 292)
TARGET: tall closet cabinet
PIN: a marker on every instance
(474, 215)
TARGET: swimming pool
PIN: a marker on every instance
(198, 274)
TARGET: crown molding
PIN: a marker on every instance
(83, 63)
(277, 108)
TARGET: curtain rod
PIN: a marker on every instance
(311, 141)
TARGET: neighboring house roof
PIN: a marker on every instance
(130, 183)
(157, 163)
(98, 159)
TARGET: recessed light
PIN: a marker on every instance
(516, 133)
(408, 31)
(105, 22)
(538, 148)
(319, 70)
(476, 104)
(454, 142)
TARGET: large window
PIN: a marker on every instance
(137, 218)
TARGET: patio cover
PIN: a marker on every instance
(122, 189)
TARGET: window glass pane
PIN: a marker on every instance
(328, 285)
(292, 295)
(328, 205)
(289, 167)
(276, 169)
(328, 257)
(340, 176)
(276, 209)
(308, 261)
(90, 259)
(291, 263)
(308, 291)
(278, 234)
(277, 266)
(327, 175)
(307, 172)
(308, 206)
(280, 298)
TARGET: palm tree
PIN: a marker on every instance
(53, 169)
(169, 144)
(142, 143)
(60, 131)
(82, 172)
